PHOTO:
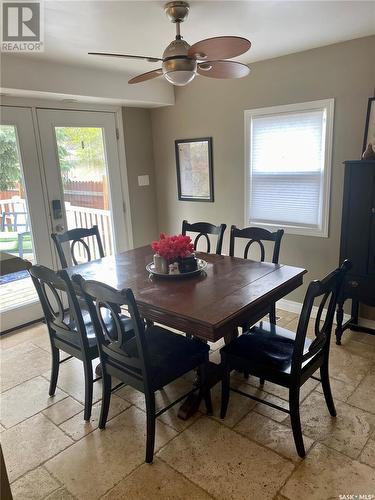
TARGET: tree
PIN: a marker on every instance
(10, 171)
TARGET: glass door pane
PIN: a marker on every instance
(24, 229)
(82, 171)
(16, 289)
(84, 177)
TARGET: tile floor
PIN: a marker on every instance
(52, 453)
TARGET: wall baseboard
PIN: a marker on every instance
(295, 307)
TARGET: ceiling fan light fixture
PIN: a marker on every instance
(179, 71)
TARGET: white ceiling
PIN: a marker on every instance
(72, 28)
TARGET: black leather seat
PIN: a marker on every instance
(170, 355)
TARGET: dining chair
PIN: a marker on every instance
(69, 326)
(204, 229)
(75, 236)
(152, 359)
(286, 358)
(257, 235)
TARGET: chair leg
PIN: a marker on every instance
(150, 440)
(273, 314)
(106, 398)
(296, 421)
(324, 377)
(87, 367)
(54, 370)
(205, 392)
(225, 389)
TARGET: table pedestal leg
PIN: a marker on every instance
(214, 374)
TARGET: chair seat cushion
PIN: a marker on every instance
(264, 345)
(170, 354)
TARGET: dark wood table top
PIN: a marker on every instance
(208, 306)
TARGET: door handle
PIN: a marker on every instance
(59, 228)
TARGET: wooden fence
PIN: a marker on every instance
(76, 217)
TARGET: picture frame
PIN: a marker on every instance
(370, 125)
(194, 169)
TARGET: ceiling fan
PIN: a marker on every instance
(181, 61)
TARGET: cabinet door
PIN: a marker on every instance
(371, 256)
(358, 217)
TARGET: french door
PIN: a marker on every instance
(75, 181)
(24, 226)
(82, 173)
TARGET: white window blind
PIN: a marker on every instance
(287, 167)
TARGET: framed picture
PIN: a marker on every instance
(194, 169)
(370, 125)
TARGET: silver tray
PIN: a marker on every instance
(202, 264)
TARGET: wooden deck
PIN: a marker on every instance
(17, 293)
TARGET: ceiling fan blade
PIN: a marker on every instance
(220, 47)
(146, 76)
(128, 56)
(223, 69)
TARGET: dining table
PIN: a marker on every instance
(230, 292)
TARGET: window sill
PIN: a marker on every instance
(297, 230)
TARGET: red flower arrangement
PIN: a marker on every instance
(172, 247)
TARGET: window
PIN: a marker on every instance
(288, 164)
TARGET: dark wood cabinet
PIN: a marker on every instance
(358, 242)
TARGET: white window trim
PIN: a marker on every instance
(328, 104)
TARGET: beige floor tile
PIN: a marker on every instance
(347, 433)
(340, 390)
(2, 428)
(238, 407)
(270, 412)
(347, 366)
(272, 434)
(277, 390)
(34, 485)
(326, 474)
(28, 444)
(365, 338)
(157, 482)
(20, 363)
(77, 428)
(163, 398)
(368, 453)
(359, 348)
(27, 334)
(26, 400)
(63, 410)
(71, 380)
(364, 395)
(226, 464)
(96, 463)
(60, 494)
(284, 318)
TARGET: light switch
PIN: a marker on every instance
(143, 180)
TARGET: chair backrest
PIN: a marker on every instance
(100, 296)
(326, 293)
(204, 229)
(256, 235)
(20, 220)
(54, 289)
(75, 236)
